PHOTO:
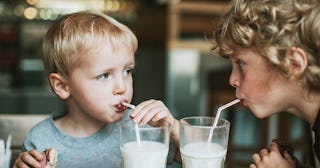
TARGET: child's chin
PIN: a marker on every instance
(259, 115)
(118, 117)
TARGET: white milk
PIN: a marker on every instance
(149, 154)
(203, 155)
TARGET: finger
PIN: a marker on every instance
(149, 115)
(155, 113)
(274, 147)
(264, 152)
(148, 109)
(30, 158)
(163, 115)
(36, 154)
(256, 158)
(160, 115)
(137, 114)
(162, 118)
(20, 164)
(252, 166)
(139, 108)
(288, 157)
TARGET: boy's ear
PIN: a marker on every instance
(59, 85)
(297, 62)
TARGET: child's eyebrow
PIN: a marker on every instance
(232, 57)
(131, 63)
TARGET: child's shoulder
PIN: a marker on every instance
(41, 126)
(47, 124)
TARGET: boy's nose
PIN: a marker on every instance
(120, 87)
(233, 80)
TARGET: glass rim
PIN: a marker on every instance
(225, 124)
(141, 128)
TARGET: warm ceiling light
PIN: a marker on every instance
(30, 13)
(68, 6)
(32, 2)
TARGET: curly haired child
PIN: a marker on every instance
(274, 47)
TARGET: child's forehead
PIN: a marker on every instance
(101, 58)
(103, 50)
(242, 52)
(106, 47)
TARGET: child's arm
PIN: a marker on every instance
(272, 158)
(153, 112)
(28, 159)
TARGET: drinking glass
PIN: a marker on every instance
(197, 150)
(147, 148)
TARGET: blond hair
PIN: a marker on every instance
(270, 27)
(80, 32)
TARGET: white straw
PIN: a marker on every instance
(215, 122)
(136, 127)
(8, 144)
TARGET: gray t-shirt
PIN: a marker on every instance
(101, 149)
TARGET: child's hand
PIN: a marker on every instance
(272, 158)
(28, 159)
(153, 112)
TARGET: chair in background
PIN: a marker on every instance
(18, 125)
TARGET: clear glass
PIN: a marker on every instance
(152, 151)
(195, 149)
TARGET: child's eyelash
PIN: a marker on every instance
(103, 76)
(130, 70)
(239, 62)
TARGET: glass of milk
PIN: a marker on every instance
(196, 150)
(150, 151)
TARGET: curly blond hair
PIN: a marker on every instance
(81, 32)
(271, 27)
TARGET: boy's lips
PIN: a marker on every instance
(120, 106)
(243, 102)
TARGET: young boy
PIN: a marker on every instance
(274, 50)
(89, 58)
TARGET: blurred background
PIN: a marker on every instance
(173, 64)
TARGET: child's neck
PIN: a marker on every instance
(77, 126)
(311, 108)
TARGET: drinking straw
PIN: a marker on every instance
(8, 144)
(2, 147)
(2, 152)
(136, 127)
(215, 122)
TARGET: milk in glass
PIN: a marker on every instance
(147, 154)
(203, 155)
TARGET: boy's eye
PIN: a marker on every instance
(239, 63)
(128, 71)
(103, 76)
